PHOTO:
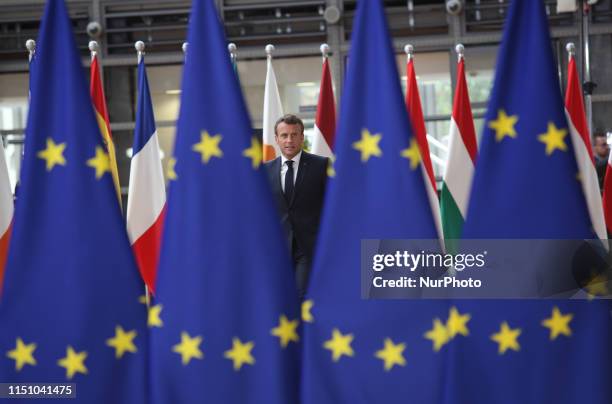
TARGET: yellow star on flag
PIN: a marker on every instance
(154, 320)
(255, 152)
(457, 323)
(170, 169)
(73, 362)
(368, 145)
(553, 139)
(240, 353)
(558, 324)
(438, 335)
(286, 331)
(142, 299)
(53, 154)
(392, 354)
(339, 345)
(413, 154)
(208, 146)
(331, 171)
(503, 125)
(306, 308)
(23, 354)
(122, 341)
(188, 348)
(507, 338)
(100, 162)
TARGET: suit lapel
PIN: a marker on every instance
(302, 168)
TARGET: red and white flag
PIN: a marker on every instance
(325, 124)
(579, 130)
(6, 213)
(146, 205)
(415, 111)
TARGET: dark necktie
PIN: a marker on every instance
(289, 181)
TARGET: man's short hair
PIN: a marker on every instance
(289, 119)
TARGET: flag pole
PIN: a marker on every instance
(93, 48)
(269, 49)
(140, 52)
(460, 49)
(409, 49)
(184, 47)
(571, 50)
(232, 49)
(588, 85)
(31, 46)
(324, 51)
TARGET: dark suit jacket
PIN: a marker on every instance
(300, 217)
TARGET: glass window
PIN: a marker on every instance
(13, 116)
(298, 82)
(480, 73)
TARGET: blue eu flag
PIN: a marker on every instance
(526, 186)
(358, 351)
(70, 310)
(225, 318)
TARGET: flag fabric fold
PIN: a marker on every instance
(99, 102)
(355, 350)
(70, 310)
(272, 110)
(526, 186)
(225, 315)
(462, 154)
(325, 121)
(579, 131)
(147, 193)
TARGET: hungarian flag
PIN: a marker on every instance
(325, 124)
(273, 109)
(147, 194)
(415, 112)
(99, 103)
(461, 160)
(579, 130)
(6, 214)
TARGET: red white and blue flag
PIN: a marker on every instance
(147, 194)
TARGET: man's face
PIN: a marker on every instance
(289, 139)
(601, 147)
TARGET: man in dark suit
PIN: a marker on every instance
(298, 182)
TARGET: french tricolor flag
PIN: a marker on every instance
(147, 194)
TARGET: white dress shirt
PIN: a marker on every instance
(284, 168)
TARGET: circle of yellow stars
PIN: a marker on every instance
(392, 353)
(504, 127)
(53, 155)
